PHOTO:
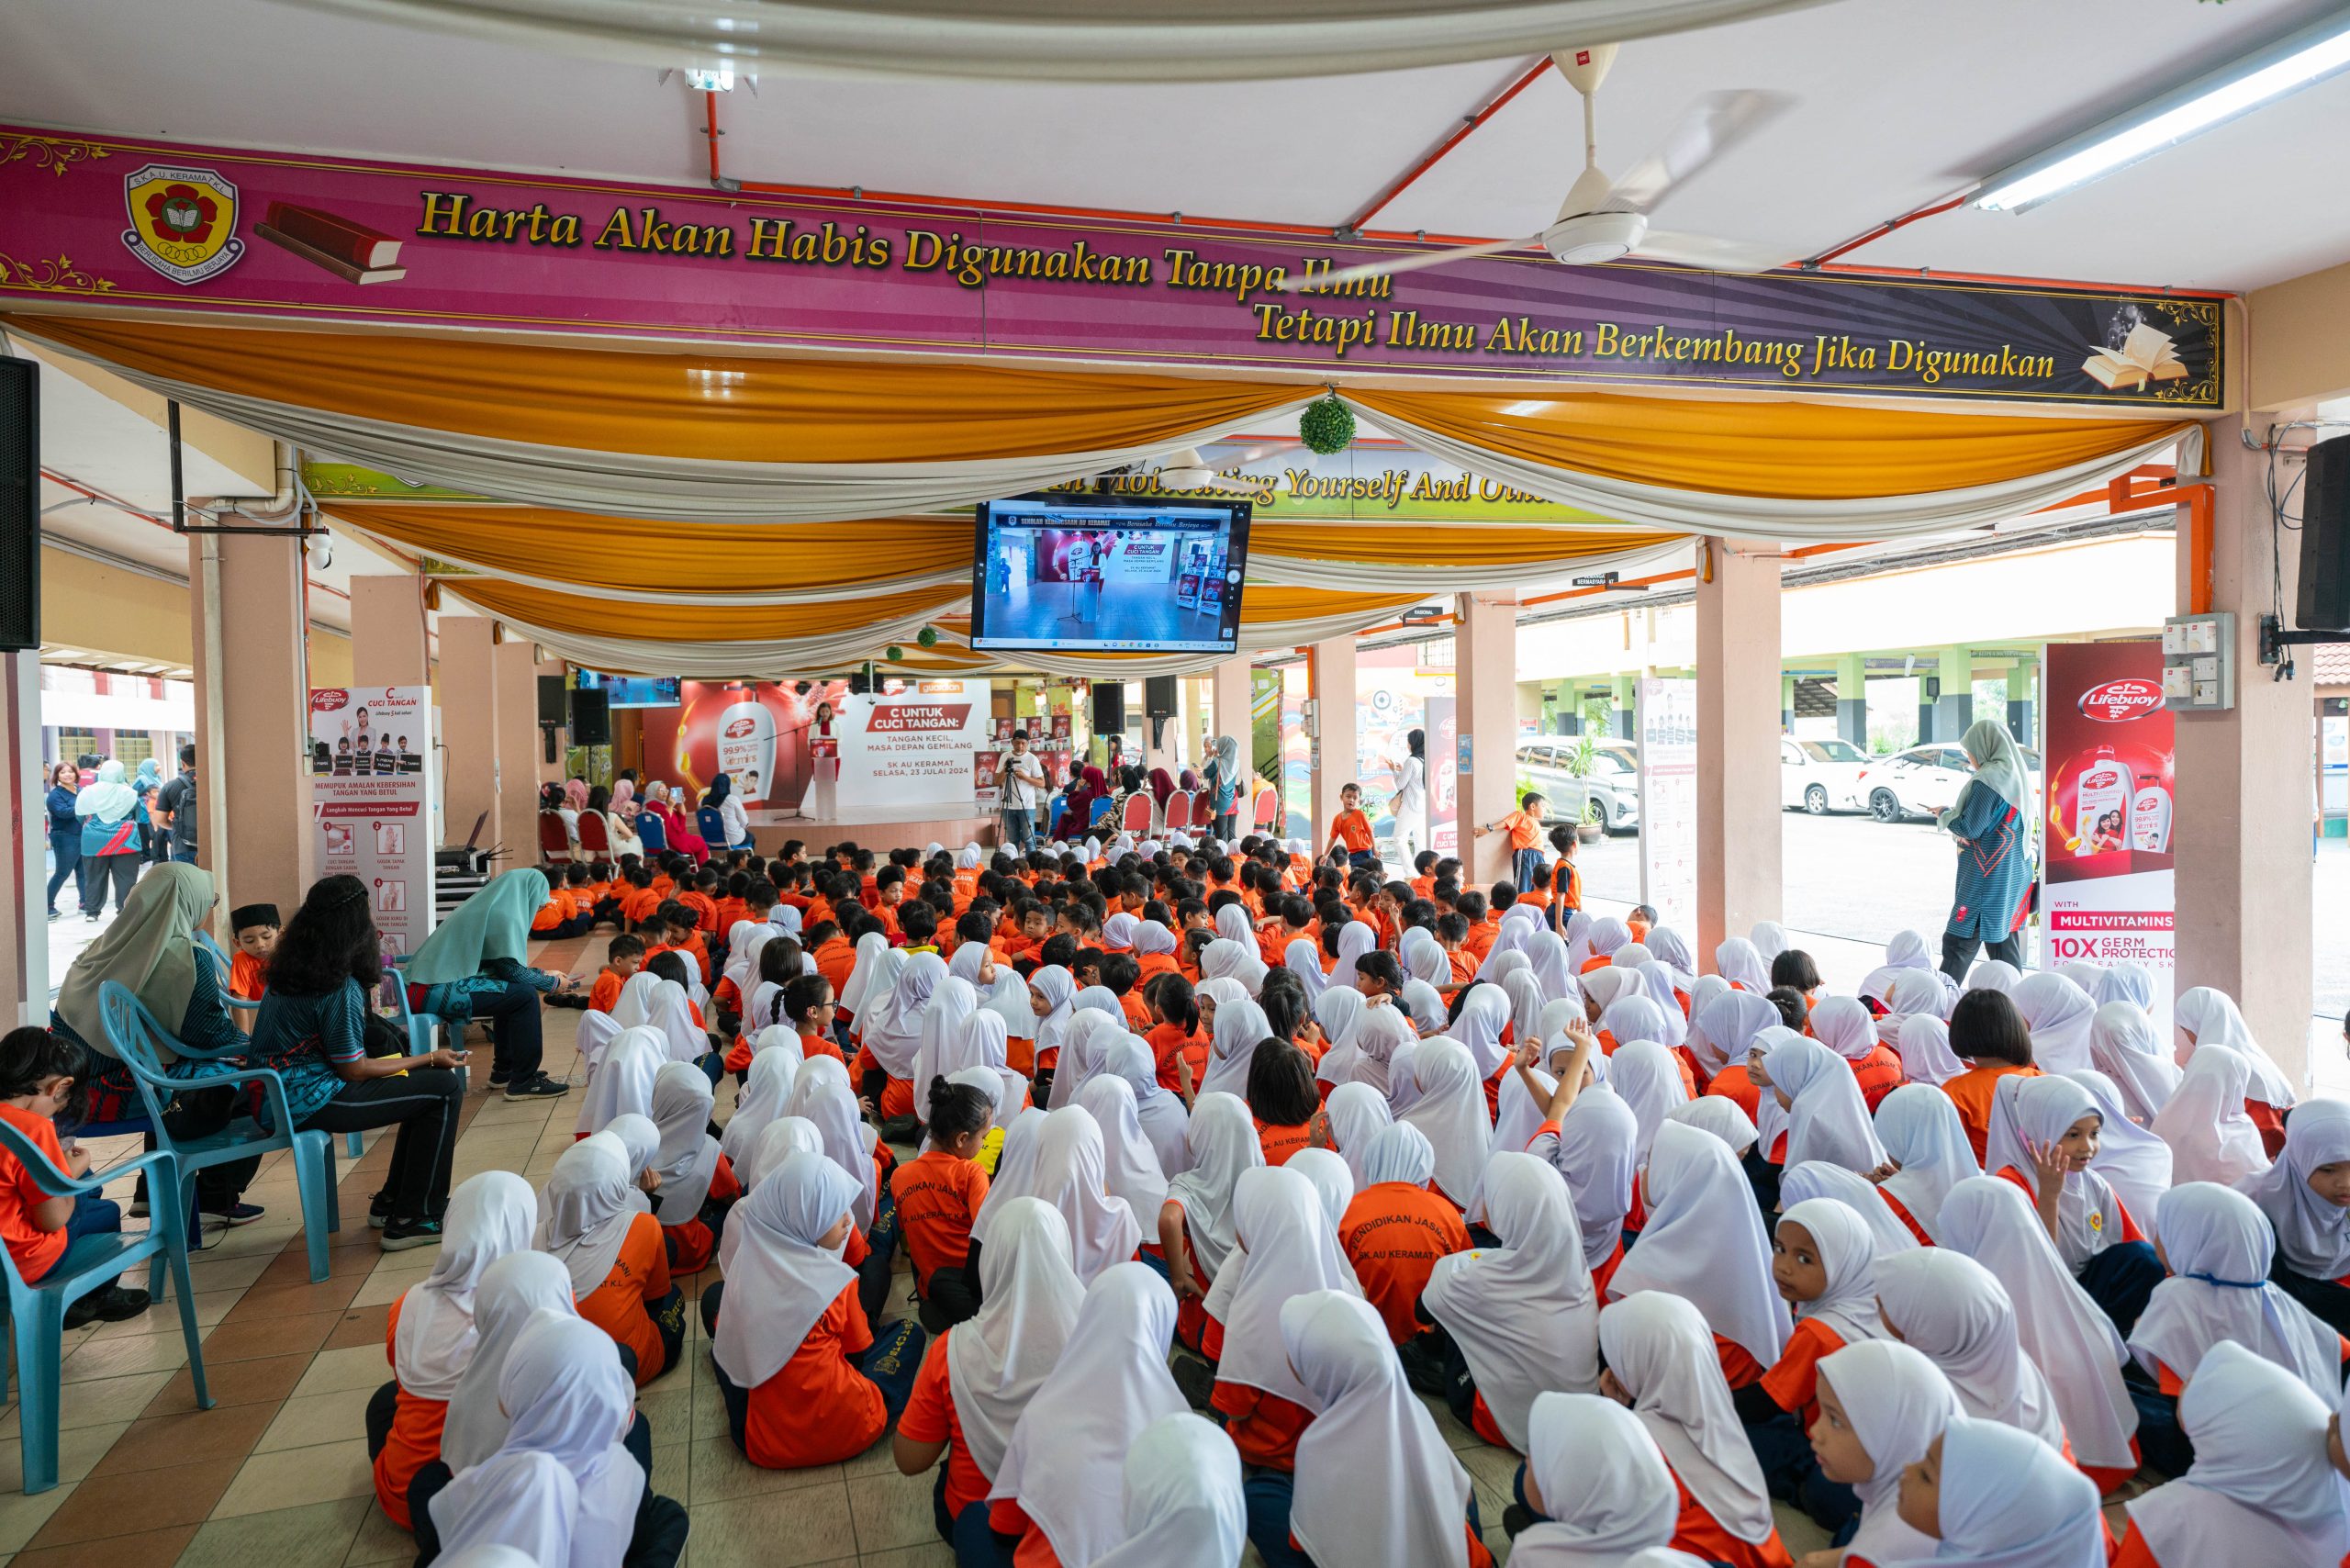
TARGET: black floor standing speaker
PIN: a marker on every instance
(1109, 708)
(2324, 600)
(19, 504)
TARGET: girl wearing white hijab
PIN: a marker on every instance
(1719, 1115)
(1286, 1248)
(1424, 958)
(1336, 1012)
(1727, 1026)
(979, 1041)
(631, 1010)
(1090, 1029)
(1646, 1077)
(510, 1293)
(979, 1376)
(1950, 1306)
(2067, 1337)
(1607, 934)
(789, 1328)
(2058, 1013)
(894, 1031)
(1882, 1406)
(1906, 957)
(1634, 1015)
(1072, 1175)
(1817, 1179)
(1668, 948)
(696, 1184)
(561, 1488)
(1355, 938)
(2093, 1228)
(2208, 1017)
(2303, 1196)
(1484, 1014)
(1357, 1112)
(1181, 1497)
(2005, 1500)
(1195, 1225)
(1130, 1162)
(2124, 1047)
(1926, 1143)
(821, 1094)
(1546, 959)
(2124, 982)
(1602, 989)
(2129, 1156)
(2219, 1248)
(1015, 1169)
(2260, 1487)
(1770, 940)
(433, 1334)
(1056, 989)
(1742, 964)
(775, 1145)
(640, 1140)
(1993, 974)
(1656, 980)
(1660, 1363)
(1524, 994)
(1923, 1046)
(1844, 1026)
(623, 1081)
(620, 1271)
(1301, 959)
(1824, 1261)
(1239, 1028)
(684, 1039)
(1375, 1486)
(951, 1006)
(1599, 1483)
(1630, 956)
(1160, 1110)
(766, 1089)
(1704, 1240)
(1333, 1184)
(1451, 1112)
(2211, 1137)
(1827, 1118)
(1060, 1470)
(1523, 1315)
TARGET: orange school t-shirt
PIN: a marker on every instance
(1701, 1535)
(691, 1245)
(937, 1195)
(1353, 830)
(415, 1438)
(1525, 832)
(1971, 1093)
(248, 977)
(929, 1417)
(835, 960)
(638, 904)
(605, 993)
(817, 1409)
(1393, 1233)
(1793, 1381)
(640, 1275)
(1278, 1142)
(36, 1250)
(1264, 1427)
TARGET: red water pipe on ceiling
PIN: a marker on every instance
(1460, 134)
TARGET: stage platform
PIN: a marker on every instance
(907, 828)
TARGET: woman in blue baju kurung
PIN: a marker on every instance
(1993, 852)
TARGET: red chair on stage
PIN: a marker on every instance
(1138, 813)
(1179, 810)
(554, 843)
(595, 837)
(1268, 805)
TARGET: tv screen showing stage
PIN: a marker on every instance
(1092, 572)
(631, 690)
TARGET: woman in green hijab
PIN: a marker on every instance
(471, 968)
(1993, 852)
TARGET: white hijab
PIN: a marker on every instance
(1723, 1117)
(1661, 1351)
(2042, 1109)
(1423, 957)
(1160, 1110)
(1224, 1143)
(1029, 1298)
(1015, 1170)
(489, 1216)
(1656, 980)
(775, 1145)
(2009, 1500)
(782, 1279)
(623, 1081)
(1240, 1027)
(1093, 1023)
(1648, 1078)
(1484, 1014)
(1770, 940)
(2124, 1047)
(682, 1038)
(1287, 1248)
(1919, 1128)
(1742, 964)
(1450, 1111)
(1828, 1119)
(766, 1089)
(2219, 1248)
(687, 1156)
(1546, 959)
(821, 1094)
(1818, 1178)
(2124, 982)
(587, 1210)
(1225, 958)
(1398, 1154)
(1058, 988)
(1301, 959)
(510, 1290)
(1993, 974)
(953, 1003)
(1523, 1314)
(633, 1009)
(1846, 1247)
(1704, 1239)
(1337, 1013)
(1728, 1024)
(1069, 1448)
(1957, 1311)
(1898, 1402)
(2131, 1158)
(1604, 1481)
(1072, 1175)
(1923, 1045)
(1376, 1487)
(2312, 1235)
(894, 1034)
(1182, 1496)
(1844, 1026)
(2211, 1139)
(560, 1488)
(2260, 1489)
(2058, 1013)
(2213, 1018)
(2066, 1335)
(1357, 1112)
(1355, 938)
(1130, 1162)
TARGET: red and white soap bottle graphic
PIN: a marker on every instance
(2150, 820)
(2101, 807)
(747, 745)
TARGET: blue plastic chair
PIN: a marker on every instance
(37, 1311)
(1102, 812)
(221, 969)
(711, 824)
(422, 1027)
(135, 1035)
(650, 833)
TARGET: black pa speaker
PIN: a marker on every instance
(1159, 697)
(2324, 602)
(553, 700)
(1109, 708)
(591, 719)
(19, 504)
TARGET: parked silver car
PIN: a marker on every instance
(1609, 796)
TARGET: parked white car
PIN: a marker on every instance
(1924, 781)
(1822, 776)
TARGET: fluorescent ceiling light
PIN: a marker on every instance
(2235, 89)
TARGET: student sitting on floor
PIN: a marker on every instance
(1992, 1494)
(622, 960)
(2306, 1195)
(37, 1071)
(430, 1336)
(619, 1270)
(1285, 1248)
(1882, 1405)
(698, 1183)
(939, 1194)
(2044, 1134)
(1182, 1498)
(804, 1380)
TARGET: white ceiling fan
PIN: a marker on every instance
(1604, 219)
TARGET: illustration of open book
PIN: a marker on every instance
(350, 250)
(2145, 357)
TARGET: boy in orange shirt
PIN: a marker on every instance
(256, 926)
(1452, 935)
(622, 960)
(37, 1074)
(1524, 826)
(939, 1193)
(638, 899)
(1351, 829)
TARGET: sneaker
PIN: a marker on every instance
(379, 1211)
(402, 1234)
(538, 1086)
(236, 1214)
(500, 1079)
(111, 1305)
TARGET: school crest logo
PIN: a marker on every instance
(182, 222)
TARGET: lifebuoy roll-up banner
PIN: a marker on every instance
(371, 753)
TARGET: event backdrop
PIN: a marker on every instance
(371, 794)
(911, 744)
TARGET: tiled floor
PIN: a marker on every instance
(276, 1475)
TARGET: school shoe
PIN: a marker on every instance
(235, 1215)
(538, 1086)
(379, 1211)
(402, 1234)
(500, 1079)
(111, 1305)
(1194, 1379)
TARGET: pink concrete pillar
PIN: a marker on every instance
(252, 709)
(469, 727)
(387, 644)
(24, 924)
(1738, 738)
(2244, 782)
(1484, 652)
(1332, 668)
(1228, 711)
(521, 745)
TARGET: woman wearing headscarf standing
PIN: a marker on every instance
(1409, 804)
(1993, 852)
(1221, 781)
(113, 845)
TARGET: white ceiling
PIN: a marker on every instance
(1901, 102)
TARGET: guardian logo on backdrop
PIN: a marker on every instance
(182, 222)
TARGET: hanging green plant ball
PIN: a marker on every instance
(893, 653)
(927, 636)
(1327, 425)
